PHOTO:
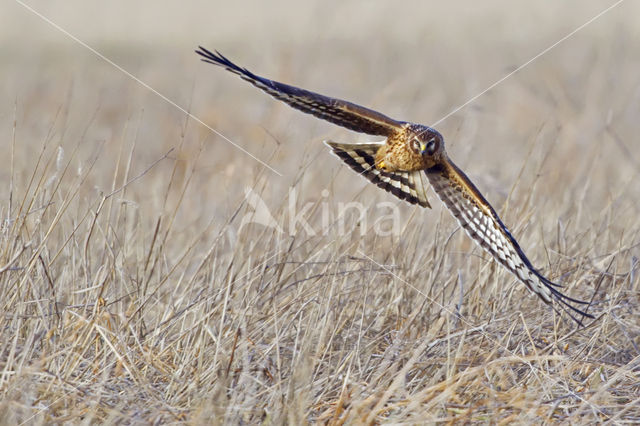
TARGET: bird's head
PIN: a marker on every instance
(428, 143)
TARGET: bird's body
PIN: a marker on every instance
(411, 158)
(394, 155)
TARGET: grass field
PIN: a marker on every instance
(133, 290)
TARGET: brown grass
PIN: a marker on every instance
(129, 292)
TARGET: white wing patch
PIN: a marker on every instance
(408, 186)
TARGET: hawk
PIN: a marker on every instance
(410, 159)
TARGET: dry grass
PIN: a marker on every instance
(129, 292)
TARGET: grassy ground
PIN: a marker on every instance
(130, 292)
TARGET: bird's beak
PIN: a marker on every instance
(423, 147)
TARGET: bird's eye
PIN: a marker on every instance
(415, 145)
(431, 147)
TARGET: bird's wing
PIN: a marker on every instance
(482, 224)
(342, 113)
(408, 186)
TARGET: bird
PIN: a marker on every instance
(410, 159)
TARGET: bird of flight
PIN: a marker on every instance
(411, 158)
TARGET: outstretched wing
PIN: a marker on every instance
(342, 113)
(482, 224)
(408, 186)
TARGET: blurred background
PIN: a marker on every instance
(99, 85)
(149, 302)
(414, 61)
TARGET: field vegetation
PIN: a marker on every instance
(137, 287)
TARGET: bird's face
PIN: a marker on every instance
(429, 144)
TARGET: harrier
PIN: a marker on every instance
(411, 158)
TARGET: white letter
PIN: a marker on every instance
(361, 221)
(260, 215)
(295, 218)
(395, 220)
